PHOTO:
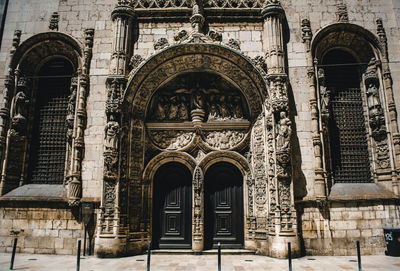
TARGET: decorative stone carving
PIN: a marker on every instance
(234, 44)
(325, 96)
(160, 44)
(18, 121)
(135, 61)
(15, 41)
(225, 139)
(171, 140)
(71, 108)
(181, 36)
(54, 21)
(197, 20)
(341, 13)
(306, 34)
(284, 132)
(148, 4)
(111, 132)
(198, 182)
(215, 36)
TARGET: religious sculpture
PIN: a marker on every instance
(111, 135)
(284, 132)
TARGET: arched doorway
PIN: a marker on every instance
(223, 206)
(172, 209)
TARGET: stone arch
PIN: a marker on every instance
(360, 42)
(165, 157)
(39, 47)
(180, 58)
(225, 156)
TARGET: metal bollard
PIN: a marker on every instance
(148, 256)
(290, 255)
(219, 256)
(78, 256)
(359, 256)
(13, 253)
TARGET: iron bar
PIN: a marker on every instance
(148, 256)
(78, 256)
(359, 256)
(13, 253)
(219, 256)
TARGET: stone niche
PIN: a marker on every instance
(197, 103)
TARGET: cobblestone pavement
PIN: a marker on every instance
(198, 263)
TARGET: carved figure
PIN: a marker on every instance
(20, 102)
(161, 109)
(111, 134)
(373, 98)
(284, 132)
(71, 101)
(237, 108)
(198, 101)
(223, 108)
(183, 113)
(173, 108)
(213, 114)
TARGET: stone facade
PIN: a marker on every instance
(203, 83)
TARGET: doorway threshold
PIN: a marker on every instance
(204, 252)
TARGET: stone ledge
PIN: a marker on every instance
(359, 191)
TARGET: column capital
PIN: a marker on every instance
(272, 8)
(122, 10)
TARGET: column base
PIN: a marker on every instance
(278, 246)
(110, 247)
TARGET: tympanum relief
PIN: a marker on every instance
(202, 105)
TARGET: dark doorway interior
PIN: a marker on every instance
(223, 206)
(172, 207)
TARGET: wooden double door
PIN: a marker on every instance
(223, 207)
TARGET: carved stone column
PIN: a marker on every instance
(198, 210)
(315, 107)
(74, 178)
(285, 214)
(111, 239)
(391, 107)
(8, 91)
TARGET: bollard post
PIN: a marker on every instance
(13, 253)
(78, 256)
(359, 256)
(148, 256)
(84, 242)
(290, 255)
(219, 256)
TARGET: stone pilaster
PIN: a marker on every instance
(111, 239)
(9, 86)
(390, 105)
(74, 178)
(285, 214)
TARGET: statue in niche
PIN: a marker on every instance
(71, 102)
(374, 103)
(284, 132)
(173, 108)
(198, 100)
(213, 114)
(111, 135)
(223, 108)
(237, 108)
(183, 113)
(20, 102)
(161, 108)
(324, 92)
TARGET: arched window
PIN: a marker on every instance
(49, 130)
(349, 157)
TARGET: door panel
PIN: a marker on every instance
(172, 199)
(223, 206)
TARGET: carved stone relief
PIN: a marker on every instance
(172, 139)
(225, 139)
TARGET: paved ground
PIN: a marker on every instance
(198, 263)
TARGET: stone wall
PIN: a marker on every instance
(39, 230)
(335, 230)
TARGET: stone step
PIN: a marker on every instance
(205, 252)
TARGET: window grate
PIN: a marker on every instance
(350, 159)
(49, 137)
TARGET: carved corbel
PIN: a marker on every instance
(306, 34)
